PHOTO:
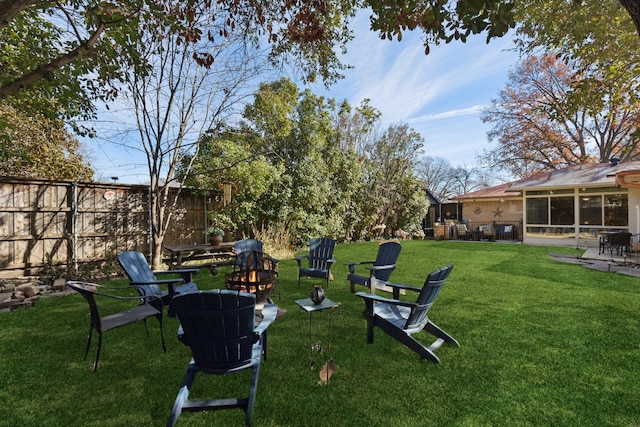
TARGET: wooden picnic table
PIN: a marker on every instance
(222, 254)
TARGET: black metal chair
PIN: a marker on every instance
(146, 281)
(151, 306)
(620, 241)
(320, 259)
(401, 319)
(221, 329)
(381, 268)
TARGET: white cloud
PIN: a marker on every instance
(440, 95)
(474, 110)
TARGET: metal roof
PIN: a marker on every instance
(587, 175)
(497, 191)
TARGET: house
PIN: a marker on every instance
(492, 204)
(566, 207)
(439, 211)
(493, 213)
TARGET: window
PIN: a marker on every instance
(591, 210)
(608, 209)
(562, 211)
(551, 210)
(538, 211)
(557, 213)
(616, 208)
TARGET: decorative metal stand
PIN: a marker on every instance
(315, 346)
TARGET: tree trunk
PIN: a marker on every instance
(9, 9)
(633, 9)
(156, 260)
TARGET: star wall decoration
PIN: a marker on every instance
(497, 212)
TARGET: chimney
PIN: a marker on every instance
(614, 161)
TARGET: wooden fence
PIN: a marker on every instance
(66, 223)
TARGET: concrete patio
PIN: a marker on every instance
(608, 262)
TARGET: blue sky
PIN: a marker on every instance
(440, 95)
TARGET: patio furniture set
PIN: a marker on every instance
(619, 241)
(226, 329)
(484, 231)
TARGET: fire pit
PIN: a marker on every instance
(258, 275)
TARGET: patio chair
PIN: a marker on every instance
(381, 268)
(250, 254)
(320, 259)
(506, 232)
(486, 230)
(147, 282)
(634, 245)
(151, 306)
(402, 319)
(620, 241)
(220, 329)
(244, 248)
(462, 232)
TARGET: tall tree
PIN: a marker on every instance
(395, 197)
(601, 44)
(467, 179)
(356, 127)
(538, 125)
(285, 165)
(39, 147)
(438, 176)
(92, 35)
(600, 30)
(176, 102)
(446, 181)
(591, 21)
(320, 184)
(296, 131)
(231, 157)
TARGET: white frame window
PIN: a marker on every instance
(579, 212)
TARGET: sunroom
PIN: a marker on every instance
(575, 205)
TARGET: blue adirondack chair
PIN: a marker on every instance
(146, 281)
(401, 319)
(220, 329)
(320, 259)
(251, 251)
(381, 268)
(244, 248)
(151, 306)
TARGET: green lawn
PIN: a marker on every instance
(541, 344)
